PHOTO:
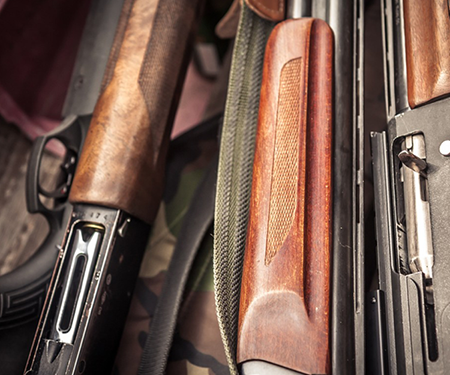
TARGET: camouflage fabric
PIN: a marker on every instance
(197, 347)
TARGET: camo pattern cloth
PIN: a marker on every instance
(197, 347)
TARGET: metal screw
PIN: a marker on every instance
(444, 148)
(123, 228)
(374, 300)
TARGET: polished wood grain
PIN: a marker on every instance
(273, 10)
(284, 307)
(427, 37)
(122, 162)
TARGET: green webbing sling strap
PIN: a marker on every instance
(235, 173)
(231, 207)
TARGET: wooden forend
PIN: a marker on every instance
(427, 38)
(284, 309)
(123, 158)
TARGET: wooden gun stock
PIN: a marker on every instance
(427, 37)
(285, 293)
(122, 162)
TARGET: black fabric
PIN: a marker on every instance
(15, 344)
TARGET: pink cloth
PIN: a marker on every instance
(38, 46)
(193, 101)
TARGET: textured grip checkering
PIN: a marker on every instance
(118, 39)
(285, 174)
(167, 54)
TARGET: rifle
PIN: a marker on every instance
(295, 263)
(116, 191)
(410, 167)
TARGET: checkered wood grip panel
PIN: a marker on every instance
(285, 174)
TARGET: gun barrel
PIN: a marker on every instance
(298, 8)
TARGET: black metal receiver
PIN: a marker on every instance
(22, 291)
(410, 307)
(88, 289)
(409, 310)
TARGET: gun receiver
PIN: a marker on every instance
(285, 293)
(116, 191)
(409, 174)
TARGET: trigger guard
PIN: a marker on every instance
(71, 134)
(23, 290)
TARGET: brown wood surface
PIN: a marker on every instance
(273, 10)
(122, 162)
(427, 37)
(284, 310)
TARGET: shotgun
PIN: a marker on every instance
(301, 303)
(410, 167)
(116, 190)
(286, 275)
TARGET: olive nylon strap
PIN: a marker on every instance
(235, 173)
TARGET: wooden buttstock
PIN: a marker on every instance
(284, 307)
(122, 162)
(427, 37)
(273, 10)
